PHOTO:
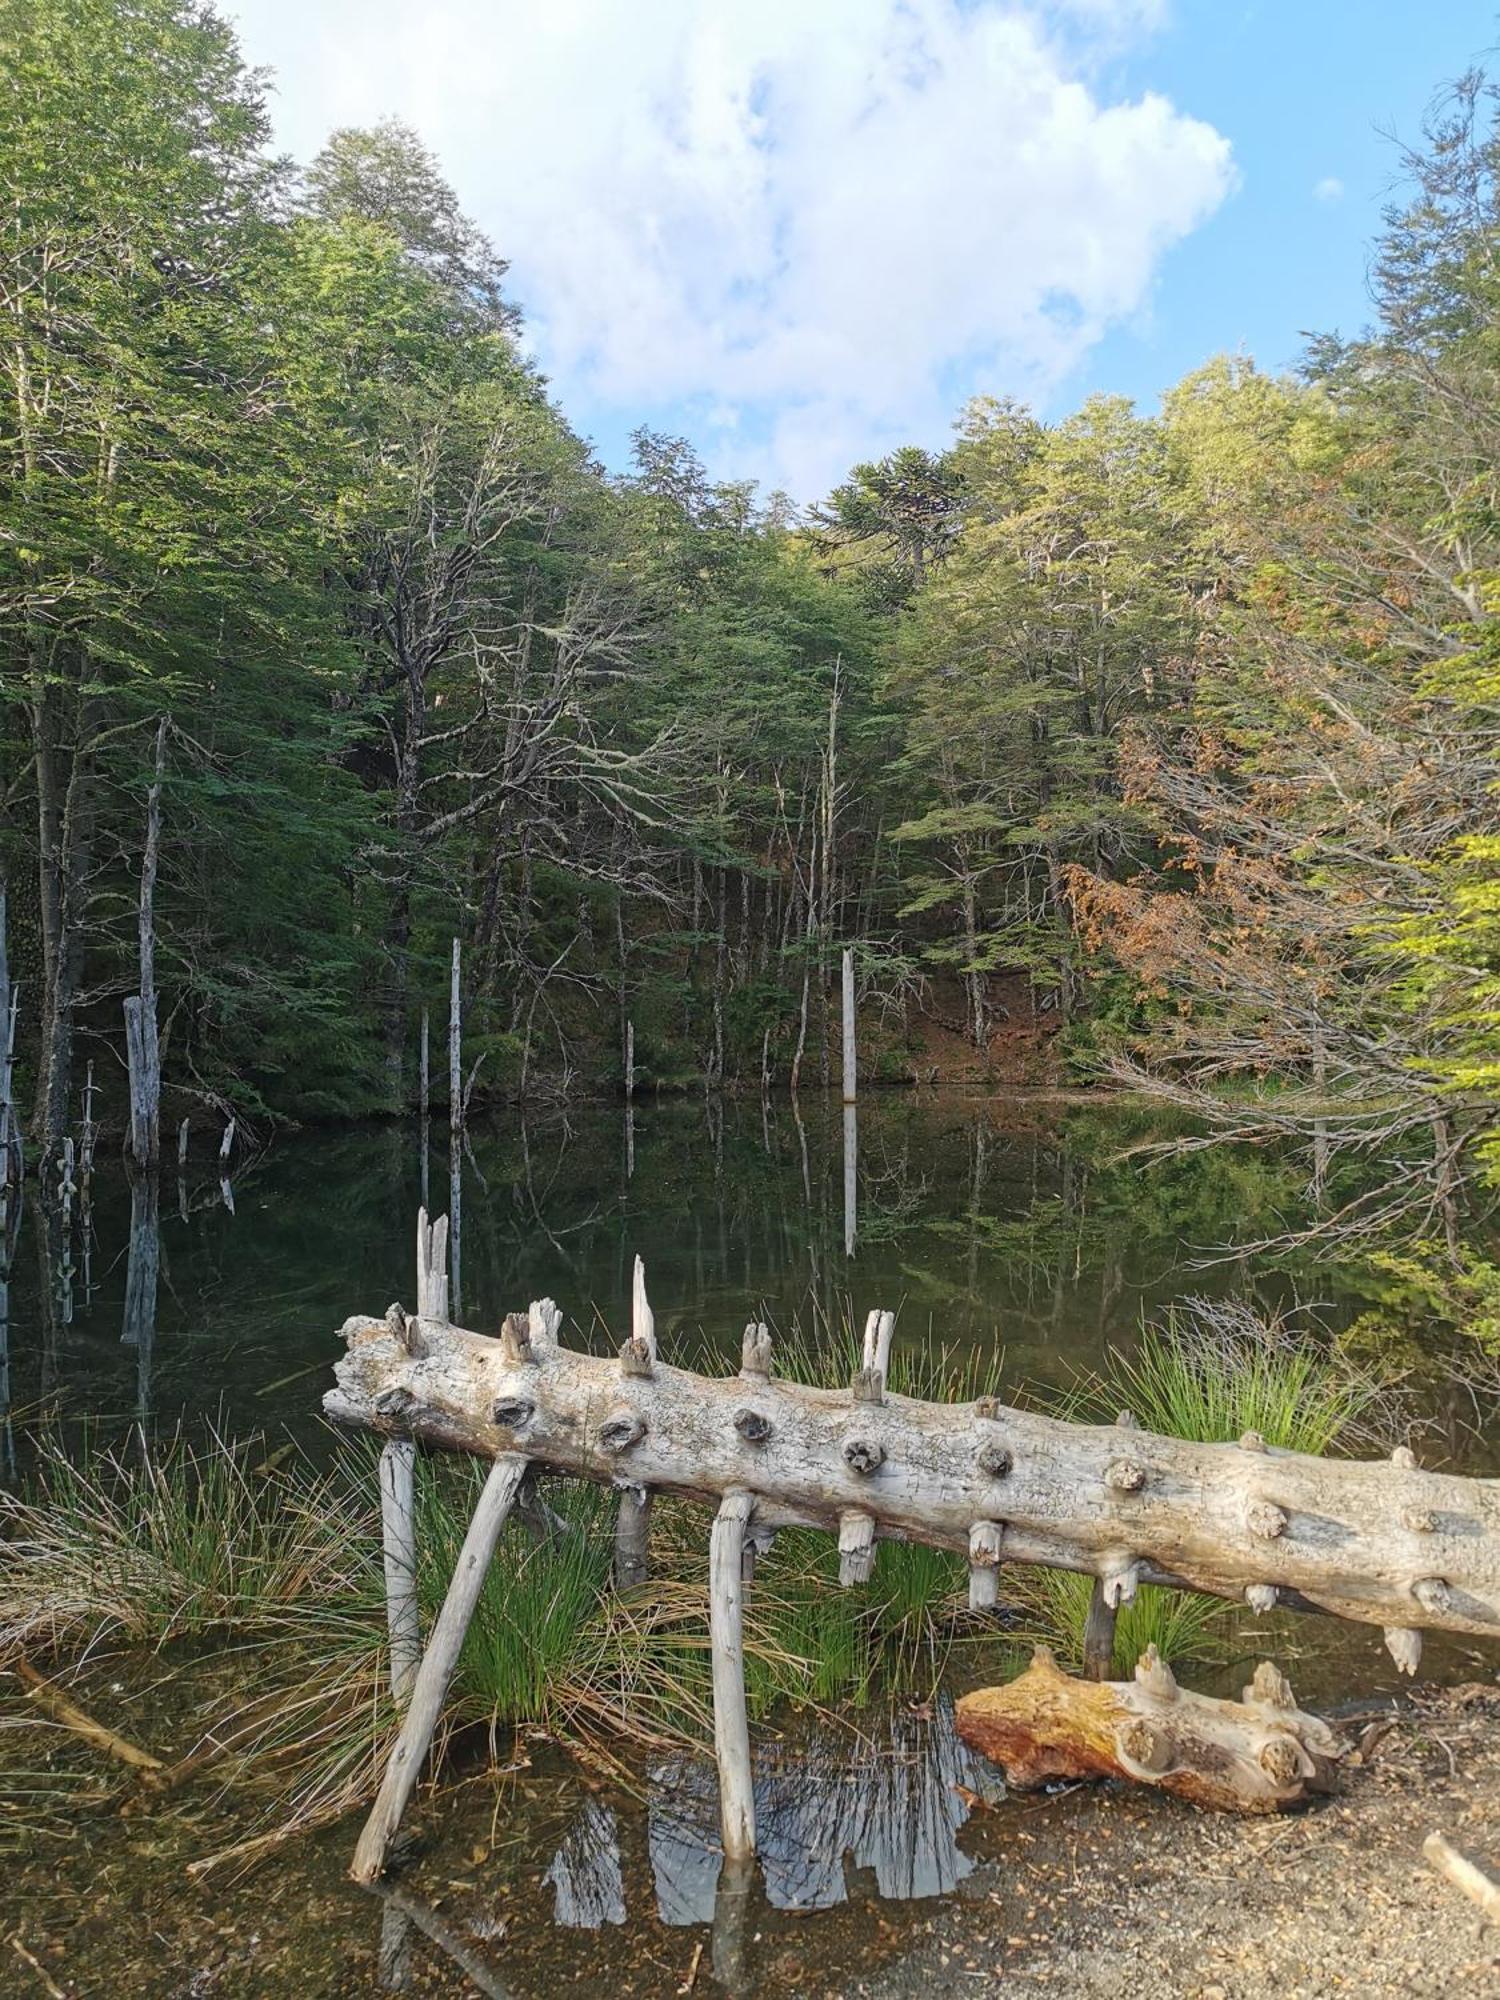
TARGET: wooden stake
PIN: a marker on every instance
(633, 1515)
(399, 1537)
(726, 1613)
(850, 1054)
(1099, 1634)
(404, 1767)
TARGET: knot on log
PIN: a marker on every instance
(396, 1402)
(513, 1413)
(995, 1460)
(1261, 1596)
(515, 1338)
(1405, 1457)
(1144, 1747)
(1154, 1675)
(755, 1351)
(622, 1430)
(1417, 1520)
(868, 1385)
(1433, 1595)
(1282, 1761)
(1265, 1519)
(635, 1358)
(752, 1426)
(864, 1456)
(1125, 1475)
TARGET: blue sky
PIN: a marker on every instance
(804, 231)
(1304, 93)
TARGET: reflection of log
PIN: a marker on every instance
(1260, 1755)
(1381, 1542)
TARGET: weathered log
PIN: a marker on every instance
(1362, 1540)
(1258, 1755)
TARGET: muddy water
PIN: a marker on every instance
(1029, 1231)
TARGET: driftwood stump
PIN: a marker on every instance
(1259, 1755)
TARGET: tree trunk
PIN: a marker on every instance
(1379, 1542)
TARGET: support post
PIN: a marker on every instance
(633, 1516)
(850, 1053)
(726, 1613)
(399, 1538)
(404, 1766)
(1099, 1634)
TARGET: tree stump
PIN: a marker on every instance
(1259, 1755)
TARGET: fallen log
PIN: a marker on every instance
(1380, 1542)
(1259, 1755)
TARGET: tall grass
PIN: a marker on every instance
(1212, 1369)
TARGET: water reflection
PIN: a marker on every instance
(987, 1225)
(845, 1815)
(838, 1814)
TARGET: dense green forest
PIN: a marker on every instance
(1153, 748)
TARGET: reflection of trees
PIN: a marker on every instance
(586, 1875)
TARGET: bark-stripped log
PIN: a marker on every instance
(1379, 1542)
(1260, 1755)
(430, 1685)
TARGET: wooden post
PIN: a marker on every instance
(182, 1145)
(1099, 1635)
(455, 1049)
(142, 1047)
(399, 1538)
(850, 1054)
(425, 1067)
(726, 1615)
(404, 1767)
(851, 1179)
(629, 1060)
(633, 1515)
(10, 1128)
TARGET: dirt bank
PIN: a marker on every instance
(1115, 1894)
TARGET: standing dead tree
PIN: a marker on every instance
(1380, 1543)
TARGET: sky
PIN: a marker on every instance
(803, 232)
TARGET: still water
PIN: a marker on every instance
(1039, 1232)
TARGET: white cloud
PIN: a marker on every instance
(1329, 189)
(800, 221)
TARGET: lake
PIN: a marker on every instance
(1036, 1230)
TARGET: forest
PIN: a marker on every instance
(1148, 750)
